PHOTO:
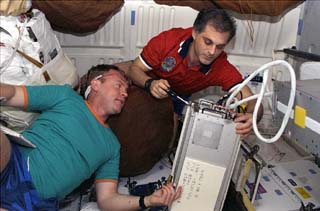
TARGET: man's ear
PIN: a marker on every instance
(94, 84)
(194, 33)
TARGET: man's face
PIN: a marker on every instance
(209, 44)
(112, 91)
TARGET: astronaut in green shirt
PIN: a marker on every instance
(73, 143)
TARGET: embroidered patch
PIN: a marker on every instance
(168, 63)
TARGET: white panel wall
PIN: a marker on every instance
(123, 37)
(256, 41)
(110, 44)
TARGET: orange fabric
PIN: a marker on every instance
(105, 180)
(95, 114)
(25, 97)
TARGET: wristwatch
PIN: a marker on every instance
(141, 203)
(147, 84)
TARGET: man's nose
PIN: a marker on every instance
(124, 93)
(212, 50)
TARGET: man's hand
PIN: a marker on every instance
(244, 126)
(158, 88)
(109, 198)
(164, 196)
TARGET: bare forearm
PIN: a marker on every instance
(250, 108)
(119, 203)
(137, 73)
(11, 95)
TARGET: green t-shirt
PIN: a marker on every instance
(71, 143)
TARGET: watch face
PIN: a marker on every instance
(148, 84)
(141, 203)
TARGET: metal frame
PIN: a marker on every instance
(205, 157)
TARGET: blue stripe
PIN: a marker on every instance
(133, 17)
(300, 26)
(27, 197)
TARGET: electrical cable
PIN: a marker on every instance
(264, 68)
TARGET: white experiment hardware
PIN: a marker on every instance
(205, 157)
(304, 122)
(208, 146)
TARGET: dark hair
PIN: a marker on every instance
(216, 17)
(93, 72)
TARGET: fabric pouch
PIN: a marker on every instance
(60, 70)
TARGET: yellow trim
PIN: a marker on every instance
(300, 116)
(303, 193)
(245, 199)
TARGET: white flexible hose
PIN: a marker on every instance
(259, 97)
(252, 97)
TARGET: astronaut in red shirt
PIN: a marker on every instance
(166, 55)
(192, 59)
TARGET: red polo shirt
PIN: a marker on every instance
(165, 56)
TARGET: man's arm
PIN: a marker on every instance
(244, 126)
(12, 95)
(109, 199)
(137, 73)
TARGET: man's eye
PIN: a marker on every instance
(207, 42)
(220, 47)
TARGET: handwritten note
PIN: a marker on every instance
(201, 183)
